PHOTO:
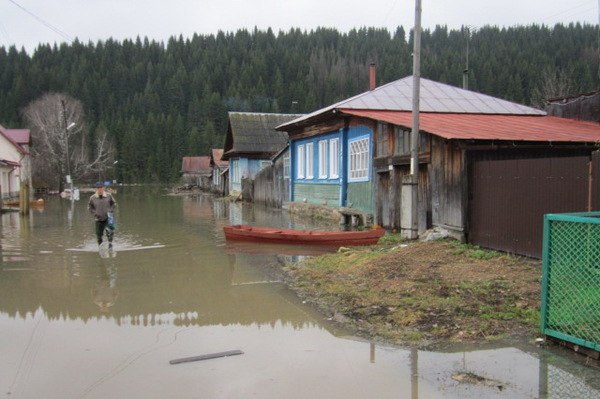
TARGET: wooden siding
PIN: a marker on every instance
(360, 196)
(270, 187)
(447, 177)
(315, 193)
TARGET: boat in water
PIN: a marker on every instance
(241, 232)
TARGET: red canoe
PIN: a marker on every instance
(241, 232)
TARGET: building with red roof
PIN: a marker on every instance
(15, 162)
(489, 169)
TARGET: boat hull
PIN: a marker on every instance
(302, 237)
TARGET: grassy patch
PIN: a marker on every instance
(474, 251)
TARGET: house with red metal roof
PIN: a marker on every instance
(489, 169)
(197, 171)
(15, 163)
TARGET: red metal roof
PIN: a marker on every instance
(9, 136)
(196, 165)
(491, 127)
(20, 136)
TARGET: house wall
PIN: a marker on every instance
(247, 168)
(360, 191)
(448, 181)
(317, 190)
(10, 180)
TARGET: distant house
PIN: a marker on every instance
(197, 170)
(488, 168)
(15, 162)
(250, 143)
(583, 107)
(219, 167)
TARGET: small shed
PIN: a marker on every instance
(197, 171)
(250, 143)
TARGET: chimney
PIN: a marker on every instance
(372, 82)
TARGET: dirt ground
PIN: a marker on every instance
(424, 292)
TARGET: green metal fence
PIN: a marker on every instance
(571, 278)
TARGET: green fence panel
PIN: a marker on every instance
(571, 278)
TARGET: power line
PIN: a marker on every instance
(46, 24)
(569, 11)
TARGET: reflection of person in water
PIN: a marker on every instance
(104, 291)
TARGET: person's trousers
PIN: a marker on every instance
(102, 225)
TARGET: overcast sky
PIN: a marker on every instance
(25, 23)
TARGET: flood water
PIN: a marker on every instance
(76, 325)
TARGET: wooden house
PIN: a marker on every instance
(250, 143)
(584, 107)
(489, 169)
(219, 184)
(197, 171)
(15, 163)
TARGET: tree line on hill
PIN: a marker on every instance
(162, 101)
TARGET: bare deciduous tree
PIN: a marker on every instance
(553, 83)
(58, 129)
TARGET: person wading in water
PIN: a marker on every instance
(102, 205)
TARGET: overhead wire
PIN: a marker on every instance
(43, 22)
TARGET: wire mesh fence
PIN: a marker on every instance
(571, 278)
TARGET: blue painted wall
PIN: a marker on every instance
(318, 190)
(248, 168)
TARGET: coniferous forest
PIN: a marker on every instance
(162, 101)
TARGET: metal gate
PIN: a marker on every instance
(571, 278)
(510, 191)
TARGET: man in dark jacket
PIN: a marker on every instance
(102, 205)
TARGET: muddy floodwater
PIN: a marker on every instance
(74, 324)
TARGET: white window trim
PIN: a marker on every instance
(310, 164)
(235, 168)
(323, 158)
(286, 166)
(301, 162)
(334, 168)
(360, 161)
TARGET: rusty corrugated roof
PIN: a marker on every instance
(196, 165)
(491, 127)
(216, 154)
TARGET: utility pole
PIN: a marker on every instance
(67, 127)
(409, 224)
(466, 70)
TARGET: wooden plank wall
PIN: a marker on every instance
(448, 182)
(270, 187)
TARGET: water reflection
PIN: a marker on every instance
(104, 291)
(113, 322)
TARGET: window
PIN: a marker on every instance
(216, 177)
(382, 139)
(334, 158)
(309, 161)
(300, 164)
(235, 171)
(286, 166)
(323, 159)
(401, 141)
(359, 159)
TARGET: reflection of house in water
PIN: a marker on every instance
(198, 207)
(235, 290)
